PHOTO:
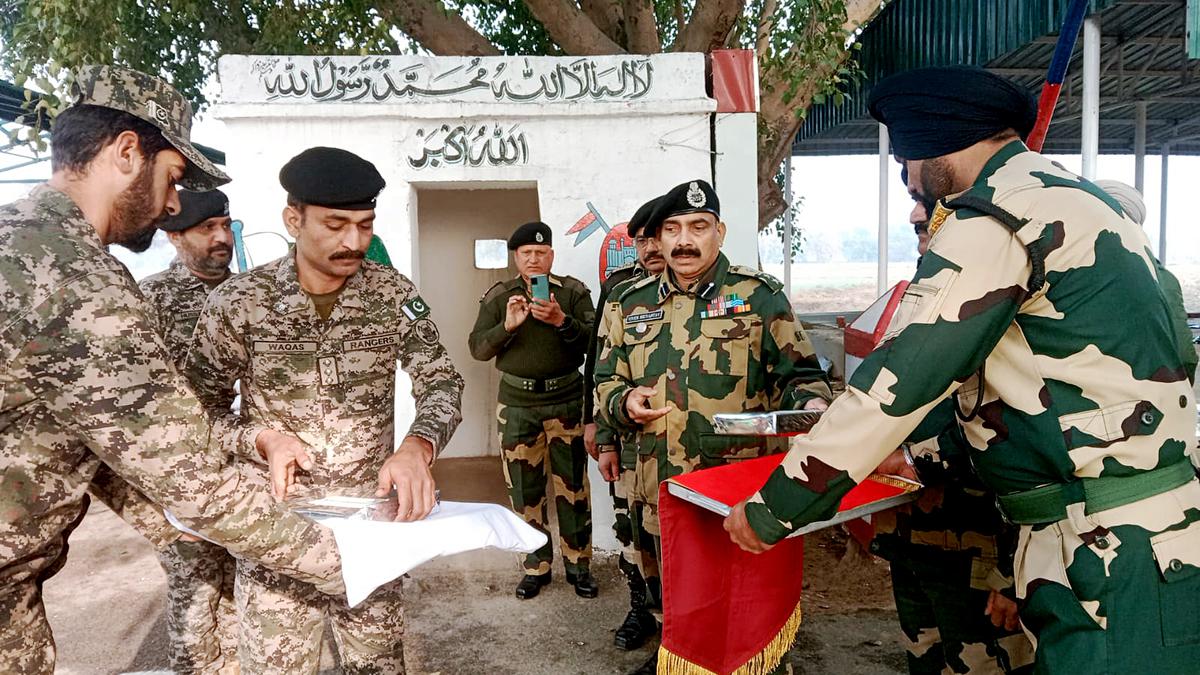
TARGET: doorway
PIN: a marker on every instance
(449, 223)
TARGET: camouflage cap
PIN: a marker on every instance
(153, 100)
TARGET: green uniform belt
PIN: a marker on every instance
(1048, 504)
(541, 386)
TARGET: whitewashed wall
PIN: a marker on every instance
(611, 131)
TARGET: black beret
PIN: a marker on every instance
(932, 112)
(195, 208)
(641, 217)
(333, 178)
(536, 232)
(695, 196)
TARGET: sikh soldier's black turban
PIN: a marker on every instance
(931, 112)
(195, 208)
(333, 178)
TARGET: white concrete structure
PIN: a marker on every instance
(472, 148)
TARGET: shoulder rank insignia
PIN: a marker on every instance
(940, 214)
(725, 305)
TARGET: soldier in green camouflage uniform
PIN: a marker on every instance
(1038, 311)
(637, 561)
(700, 338)
(314, 339)
(201, 617)
(85, 375)
(538, 347)
(950, 552)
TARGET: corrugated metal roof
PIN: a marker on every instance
(1143, 58)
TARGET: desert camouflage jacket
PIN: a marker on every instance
(1065, 367)
(177, 297)
(330, 383)
(730, 345)
(85, 379)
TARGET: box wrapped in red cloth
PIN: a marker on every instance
(726, 611)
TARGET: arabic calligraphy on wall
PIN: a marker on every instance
(382, 79)
(473, 145)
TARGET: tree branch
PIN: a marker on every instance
(710, 23)
(641, 28)
(608, 17)
(436, 29)
(765, 21)
(568, 26)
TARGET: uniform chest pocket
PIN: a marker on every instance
(370, 357)
(285, 376)
(641, 342)
(727, 344)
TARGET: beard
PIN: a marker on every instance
(211, 262)
(937, 179)
(132, 221)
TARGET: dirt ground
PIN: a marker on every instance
(106, 608)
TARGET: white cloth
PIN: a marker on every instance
(374, 553)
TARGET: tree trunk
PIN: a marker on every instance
(571, 29)
(709, 25)
(440, 31)
(779, 123)
(641, 28)
(608, 17)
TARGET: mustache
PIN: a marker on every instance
(220, 248)
(348, 255)
(684, 252)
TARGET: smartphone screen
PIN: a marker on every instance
(539, 287)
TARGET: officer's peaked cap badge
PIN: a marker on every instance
(695, 196)
(539, 237)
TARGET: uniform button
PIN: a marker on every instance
(1183, 401)
(679, 305)
(1102, 543)
(670, 374)
(1147, 417)
(1176, 565)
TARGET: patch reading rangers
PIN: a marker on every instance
(643, 317)
(371, 342)
(415, 309)
(426, 332)
(284, 347)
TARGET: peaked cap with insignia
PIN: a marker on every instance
(333, 178)
(153, 100)
(696, 196)
(536, 232)
(195, 208)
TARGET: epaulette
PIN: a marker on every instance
(620, 276)
(631, 286)
(772, 283)
(1036, 248)
(488, 293)
(569, 281)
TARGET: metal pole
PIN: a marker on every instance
(1091, 95)
(1162, 206)
(881, 277)
(787, 225)
(1139, 148)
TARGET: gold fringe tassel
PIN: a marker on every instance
(762, 663)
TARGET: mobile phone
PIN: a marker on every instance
(539, 287)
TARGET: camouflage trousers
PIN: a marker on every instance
(638, 547)
(26, 644)
(1116, 591)
(201, 616)
(540, 446)
(943, 618)
(283, 624)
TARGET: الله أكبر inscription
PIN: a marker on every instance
(513, 79)
(472, 145)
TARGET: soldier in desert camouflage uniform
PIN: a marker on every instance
(314, 338)
(201, 617)
(1038, 311)
(637, 561)
(700, 338)
(538, 347)
(85, 376)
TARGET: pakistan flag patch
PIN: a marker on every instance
(415, 309)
